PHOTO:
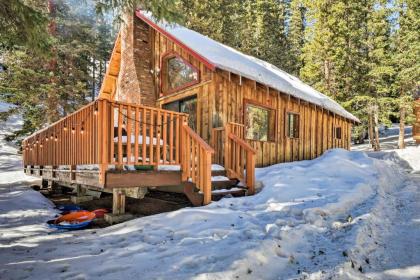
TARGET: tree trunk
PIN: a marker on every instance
(401, 143)
(376, 125)
(370, 130)
(93, 78)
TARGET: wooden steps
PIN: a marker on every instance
(220, 189)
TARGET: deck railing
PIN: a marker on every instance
(145, 135)
(235, 154)
(109, 132)
(196, 161)
(69, 141)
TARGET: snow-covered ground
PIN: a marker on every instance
(345, 215)
(388, 139)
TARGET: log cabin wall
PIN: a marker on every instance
(221, 97)
(204, 90)
(316, 129)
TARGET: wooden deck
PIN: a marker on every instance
(112, 135)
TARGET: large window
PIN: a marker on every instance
(259, 123)
(177, 74)
(292, 125)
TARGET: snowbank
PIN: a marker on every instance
(408, 158)
(305, 217)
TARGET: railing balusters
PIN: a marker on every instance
(112, 136)
(151, 137)
(196, 161)
(128, 145)
(158, 137)
(239, 156)
(165, 140)
(120, 147)
(179, 147)
(136, 135)
(157, 132)
(143, 136)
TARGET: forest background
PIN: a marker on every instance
(365, 54)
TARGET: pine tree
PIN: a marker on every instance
(348, 57)
(24, 23)
(46, 88)
(296, 36)
(271, 30)
(220, 19)
(407, 59)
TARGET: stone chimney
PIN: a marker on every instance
(135, 81)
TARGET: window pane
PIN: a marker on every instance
(338, 132)
(257, 120)
(179, 73)
(293, 125)
(189, 107)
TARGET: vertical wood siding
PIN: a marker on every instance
(220, 100)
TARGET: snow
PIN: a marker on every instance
(231, 60)
(345, 215)
(4, 107)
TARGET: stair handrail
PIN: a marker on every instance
(196, 157)
(235, 163)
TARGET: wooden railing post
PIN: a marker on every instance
(183, 149)
(227, 147)
(103, 136)
(250, 173)
(207, 177)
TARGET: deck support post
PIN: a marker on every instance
(81, 195)
(118, 201)
(80, 191)
(73, 173)
(102, 172)
(118, 214)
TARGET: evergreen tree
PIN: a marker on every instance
(348, 56)
(47, 88)
(220, 19)
(380, 68)
(24, 23)
(270, 32)
(296, 36)
(407, 59)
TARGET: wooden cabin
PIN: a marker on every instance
(416, 125)
(184, 104)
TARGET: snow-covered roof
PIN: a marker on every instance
(229, 59)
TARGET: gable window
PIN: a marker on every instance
(292, 125)
(259, 123)
(177, 74)
(337, 132)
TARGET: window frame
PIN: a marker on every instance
(265, 107)
(178, 101)
(287, 124)
(335, 132)
(165, 57)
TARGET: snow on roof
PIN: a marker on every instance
(229, 59)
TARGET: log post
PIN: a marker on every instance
(118, 201)
(207, 177)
